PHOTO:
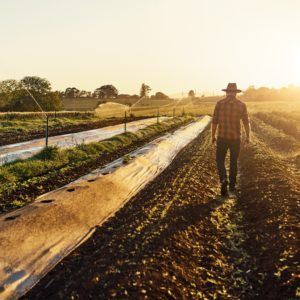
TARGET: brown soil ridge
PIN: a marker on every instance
(178, 240)
(31, 189)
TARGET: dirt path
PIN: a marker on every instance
(270, 198)
(178, 240)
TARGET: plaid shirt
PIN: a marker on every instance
(228, 113)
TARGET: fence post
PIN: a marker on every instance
(47, 130)
(158, 115)
(55, 114)
(174, 112)
(125, 121)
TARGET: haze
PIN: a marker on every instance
(171, 45)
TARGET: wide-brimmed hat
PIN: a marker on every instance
(231, 87)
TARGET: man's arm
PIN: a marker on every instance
(245, 119)
(214, 123)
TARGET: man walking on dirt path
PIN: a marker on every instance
(227, 116)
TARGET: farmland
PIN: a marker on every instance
(150, 150)
(177, 238)
(22, 181)
(19, 127)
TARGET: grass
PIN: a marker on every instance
(53, 163)
(276, 138)
(5, 116)
(13, 125)
(126, 159)
(283, 122)
(26, 122)
(89, 104)
(15, 129)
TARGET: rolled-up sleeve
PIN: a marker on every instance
(215, 118)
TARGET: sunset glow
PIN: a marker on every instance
(173, 45)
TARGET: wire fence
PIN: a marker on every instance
(104, 111)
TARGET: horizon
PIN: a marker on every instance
(190, 45)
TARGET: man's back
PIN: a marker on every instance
(228, 113)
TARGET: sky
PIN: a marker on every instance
(172, 45)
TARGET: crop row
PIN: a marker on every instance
(53, 167)
(269, 193)
(34, 115)
(275, 138)
(284, 122)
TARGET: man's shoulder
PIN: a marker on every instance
(226, 100)
(241, 103)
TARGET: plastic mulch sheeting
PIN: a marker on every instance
(35, 238)
(25, 150)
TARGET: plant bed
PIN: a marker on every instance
(178, 240)
(16, 131)
(269, 198)
(23, 181)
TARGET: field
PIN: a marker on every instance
(20, 127)
(177, 238)
(88, 104)
(22, 181)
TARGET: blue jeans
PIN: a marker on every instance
(234, 148)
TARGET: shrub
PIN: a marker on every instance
(6, 176)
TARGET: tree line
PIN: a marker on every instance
(16, 95)
(290, 93)
(109, 91)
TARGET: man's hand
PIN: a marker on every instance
(213, 141)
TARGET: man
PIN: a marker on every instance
(227, 116)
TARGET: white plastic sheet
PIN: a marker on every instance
(35, 238)
(25, 150)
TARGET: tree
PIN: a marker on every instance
(7, 90)
(135, 97)
(124, 96)
(84, 94)
(192, 94)
(72, 92)
(160, 96)
(39, 88)
(145, 90)
(36, 84)
(106, 91)
(23, 102)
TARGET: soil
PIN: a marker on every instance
(18, 137)
(31, 189)
(177, 239)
